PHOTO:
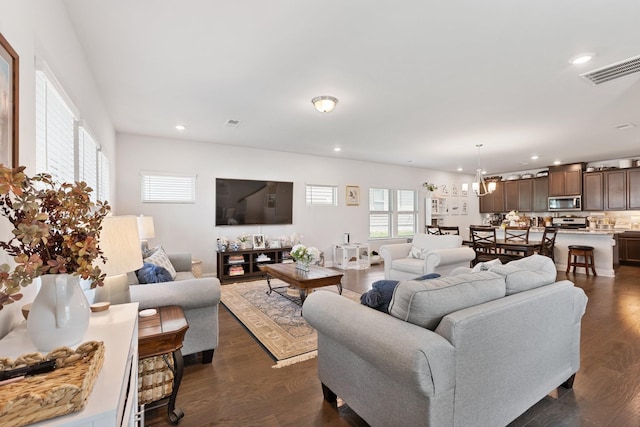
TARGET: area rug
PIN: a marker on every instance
(275, 321)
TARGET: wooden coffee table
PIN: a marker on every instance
(316, 277)
(162, 334)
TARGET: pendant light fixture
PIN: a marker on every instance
(479, 186)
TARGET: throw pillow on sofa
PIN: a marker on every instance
(527, 273)
(425, 303)
(381, 292)
(151, 273)
(417, 252)
(160, 258)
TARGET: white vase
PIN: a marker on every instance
(59, 314)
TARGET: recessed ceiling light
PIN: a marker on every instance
(581, 59)
(534, 157)
(180, 127)
(557, 162)
(484, 172)
(336, 149)
(460, 169)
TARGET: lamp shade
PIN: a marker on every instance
(145, 227)
(120, 244)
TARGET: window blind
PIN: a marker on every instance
(54, 132)
(322, 195)
(168, 188)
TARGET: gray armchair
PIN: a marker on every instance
(198, 297)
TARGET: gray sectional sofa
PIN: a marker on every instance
(471, 349)
(198, 297)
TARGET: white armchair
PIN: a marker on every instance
(431, 254)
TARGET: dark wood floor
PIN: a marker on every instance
(240, 388)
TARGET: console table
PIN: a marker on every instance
(244, 264)
(113, 400)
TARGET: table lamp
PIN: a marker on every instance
(145, 231)
(120, 244)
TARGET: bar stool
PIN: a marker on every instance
(581, 251)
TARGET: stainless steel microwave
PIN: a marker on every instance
(565, 203)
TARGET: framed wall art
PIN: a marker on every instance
(353, 195)
(258, 241)
(9, 73)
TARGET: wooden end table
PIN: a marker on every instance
(160, 334)
(316, 277)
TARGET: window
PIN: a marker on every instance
(322, 195)
(64, 149)
(103, 177)
(55, 123)
(87, 161)
(407, 213)
(392, 213)
(158, 187)
(379, 213)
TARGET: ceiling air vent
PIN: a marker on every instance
(613, 71)
(232, 123)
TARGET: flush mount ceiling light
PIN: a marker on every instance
(479, 186)
(324, 104)
(581, 59)
(180, 127)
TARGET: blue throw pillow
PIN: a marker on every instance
(151, 273)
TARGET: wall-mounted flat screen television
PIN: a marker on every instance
(253, 202)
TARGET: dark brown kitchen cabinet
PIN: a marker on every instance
(593, 191)
(609, 190)
(494, 202)
(629, 247)
(633, 189)
(525, 195)
(518, 195)
(511, 196)
(566, 180)
(615, 190)
(540, 194)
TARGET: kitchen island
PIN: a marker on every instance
(602, 241)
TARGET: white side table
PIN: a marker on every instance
(344, 252)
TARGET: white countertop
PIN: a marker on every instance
(579, 231)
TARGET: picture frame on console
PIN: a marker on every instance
(353, 195)
(258, 241)
(9, 72)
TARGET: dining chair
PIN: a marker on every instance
(516, 234)
(483, 240)
(433, 229)
(449, 229)
(548, 242)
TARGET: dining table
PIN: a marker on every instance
(508, 246)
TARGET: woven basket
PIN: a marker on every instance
(59, 392)
(155, 378)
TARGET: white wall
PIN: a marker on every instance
(191, 227)
(41, 28)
